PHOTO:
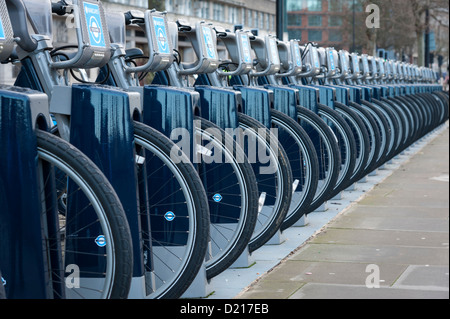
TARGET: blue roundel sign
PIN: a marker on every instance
(169, 216)
(94, 25)
(217, 198)
(100, 241)
(161, 35)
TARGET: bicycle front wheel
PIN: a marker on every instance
(85, 226)
(232, 193)
(174, 215)
(304, 163)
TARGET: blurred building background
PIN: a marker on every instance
(324, 22)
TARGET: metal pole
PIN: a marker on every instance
(354, 22)
(280, 18)
(427, 38)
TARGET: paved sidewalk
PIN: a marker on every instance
(399, 231)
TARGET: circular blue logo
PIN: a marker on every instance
(217, 198)
(162, 39)
(95, 29)
(100, 241)
(169, 216)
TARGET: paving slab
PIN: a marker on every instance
(395, 223)
(386, 212)
(353, 236)
(328, 291)
(402, 255)
(331, 272)
(424, 277)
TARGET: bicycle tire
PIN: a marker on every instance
(282, 179)
(362, 140)
(347, 146)
(327, 151)
(80, 169)
(374, 135)
(383, 130)
(393, 127)
(192, 249)
(245, 182)
(303, 158)
(392, 119)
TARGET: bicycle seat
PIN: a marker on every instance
(183, 25)
(134, 17)
(134, 53)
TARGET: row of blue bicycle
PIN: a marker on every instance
(114, 189)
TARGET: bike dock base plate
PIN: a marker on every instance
(200, 287)
(302, 222)
(277, 239)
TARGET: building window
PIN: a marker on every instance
(335, 21)
(183, 7)
(315, 35)
(314, 5)
(295, 34)
(315, 21)
(218, 12)
(250, 18)
(294, 19)
(294, 5)
(202, 9)
(335, 36)
(335, 6)
(233, 15)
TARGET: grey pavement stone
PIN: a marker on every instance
(327, 291)
(394, 223)
(381, 237)
(424, 277)
(332, 272)
(401, 255)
